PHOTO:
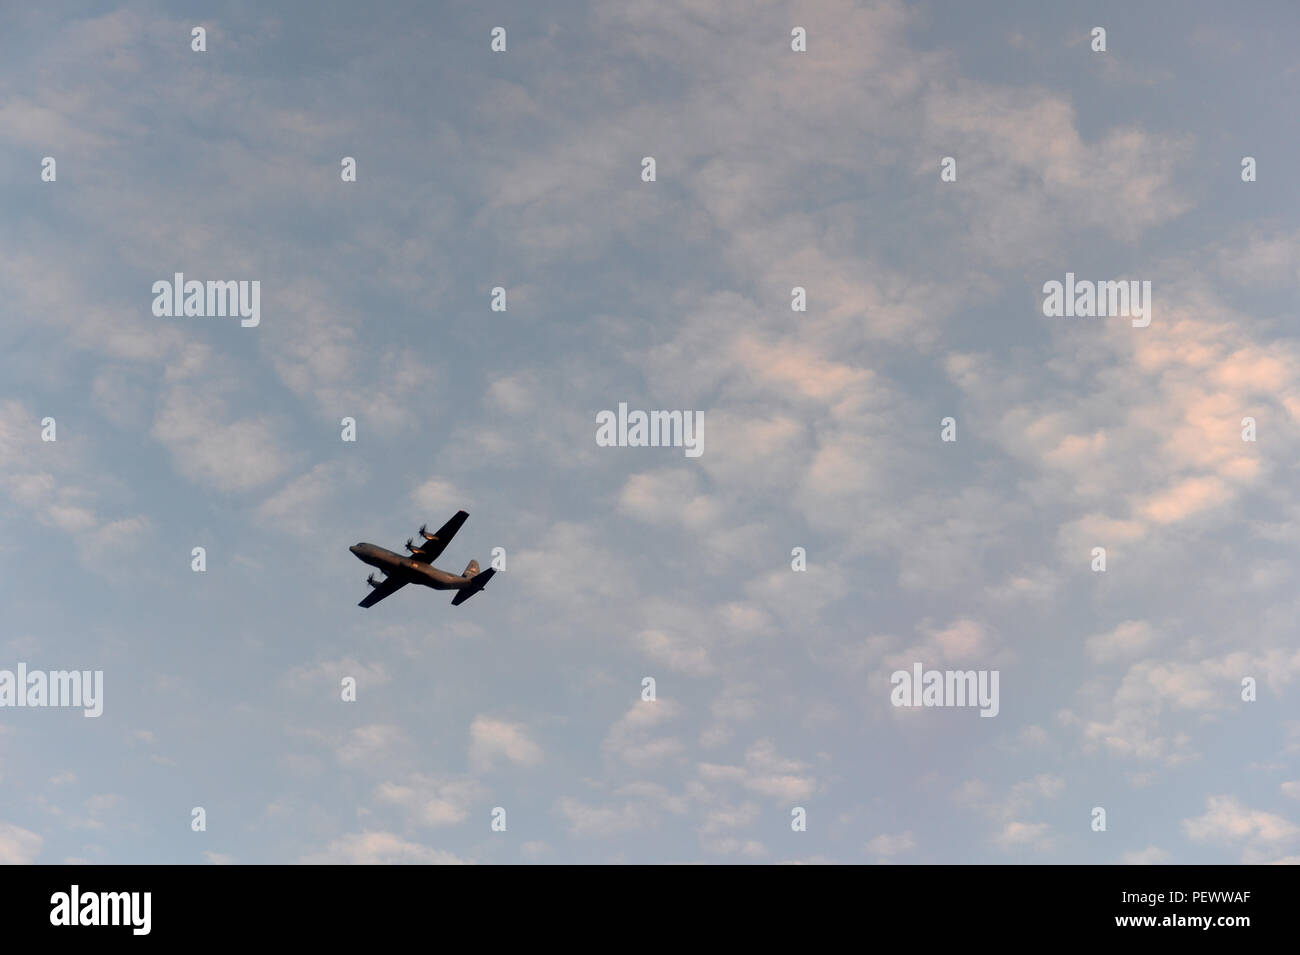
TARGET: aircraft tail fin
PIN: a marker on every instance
(471, 569)
(480, 582)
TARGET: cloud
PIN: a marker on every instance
(1187, 498)
(55, 483)
(669, 497)
(491, 739)
(319, 353)
(766, 773)
(41, 128)
(587, 821)
(1024, 835)
(227, 455)
(332, 672)
(1130, 639)
(438, 496)
(431, 801)
(19, 846)
(633, 740)
(571, 544)
(734, 706)
(371, 744)
(727, 817)
(962, 643)
(1129, 723)
(378, 848)
(1259, 259)
(1259, 834)
(885, 846)
(1010, 832)
(676, 652)
(299, 506)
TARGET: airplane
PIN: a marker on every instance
(419, 569)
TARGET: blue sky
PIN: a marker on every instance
(775, 169)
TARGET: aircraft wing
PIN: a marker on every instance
(390, 586)
(430, 549)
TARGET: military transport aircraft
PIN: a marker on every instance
(418, 568)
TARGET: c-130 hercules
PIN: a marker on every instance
(418, 568)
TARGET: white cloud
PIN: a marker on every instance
(431, 801)
(634, 740)
(18, 846)
(1261, 835)
(588, 820)
(214, 449)
(490, 739)
(370, 744)
(1132, 638)
(1024, 835)
(332, 672)
(766, 773)
(887, 845)
(379, 848)
(299, 506)
(675, 651)
(438, 496)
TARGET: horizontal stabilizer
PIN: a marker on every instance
(479, 583)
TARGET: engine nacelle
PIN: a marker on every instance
(371, 581)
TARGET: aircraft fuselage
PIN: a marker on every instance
(411, 571)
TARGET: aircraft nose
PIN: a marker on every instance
(354, 548)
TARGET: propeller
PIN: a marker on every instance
(424, 532)
(371, 581)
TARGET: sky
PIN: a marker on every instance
(774, 734)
